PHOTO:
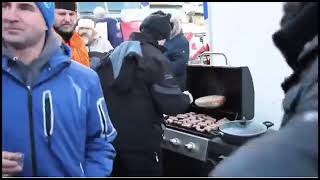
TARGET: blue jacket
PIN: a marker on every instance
(178, 54)
(70, 132)
(114, 33)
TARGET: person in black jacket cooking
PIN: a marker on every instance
(139, 88)
(293, 150)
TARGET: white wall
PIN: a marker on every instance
(243, 31)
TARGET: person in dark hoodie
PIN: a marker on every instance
(178, 52)
(293, 150)
(53, 108)
(140, 88)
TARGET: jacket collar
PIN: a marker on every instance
(146, 38)
(53, 54)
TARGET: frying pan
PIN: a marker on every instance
(212, 101)
(240, 131)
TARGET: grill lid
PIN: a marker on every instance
(235, 83)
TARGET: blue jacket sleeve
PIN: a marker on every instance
(100, 153)
(178, 54)
(178, 61)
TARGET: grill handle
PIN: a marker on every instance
(217, 133)
(213, 53)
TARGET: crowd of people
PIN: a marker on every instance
(63, 68)
(79, 101)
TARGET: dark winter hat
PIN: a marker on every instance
(47, 11)
(157, 24)
(72, 6)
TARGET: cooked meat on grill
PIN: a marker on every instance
(211, 119)
(221, 121)
(193, 121)
(198, 128)
(203, 124)
(209, 128)
(187, 125)
(169, 120)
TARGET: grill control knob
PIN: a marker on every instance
(190, 146)
(175, 141)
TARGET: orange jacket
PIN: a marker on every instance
(79, 51)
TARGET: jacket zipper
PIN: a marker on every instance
(32, 136)
(104, 131)
(156, 156)
(48, 119)
(81, 168)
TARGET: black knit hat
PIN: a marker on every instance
(157, 24)
(72, 6)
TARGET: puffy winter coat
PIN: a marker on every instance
(140, 88)
(59, 120)
(79, 50)
(178, 55)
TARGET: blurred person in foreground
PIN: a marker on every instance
(293, 150)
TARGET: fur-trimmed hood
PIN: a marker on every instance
(177, 27)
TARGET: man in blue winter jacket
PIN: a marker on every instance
(53, 108)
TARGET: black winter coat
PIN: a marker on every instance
(140, 95)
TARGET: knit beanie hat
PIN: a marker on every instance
(158, 25)
(47, 10)
(71, 6)
(86, 22)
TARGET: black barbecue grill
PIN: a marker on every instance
(235, 83)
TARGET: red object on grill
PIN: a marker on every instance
(200, 51)
(189, 36)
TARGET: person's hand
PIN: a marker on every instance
(161, 42)
(190, 95)
(10, 164)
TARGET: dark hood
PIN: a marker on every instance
(296, 32)
(148, 38)
(298, 41)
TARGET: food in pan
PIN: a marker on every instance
(212, 101)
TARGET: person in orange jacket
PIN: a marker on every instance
(65, 23)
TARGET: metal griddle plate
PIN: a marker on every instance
(205, 134)
(186, 130)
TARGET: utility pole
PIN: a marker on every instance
(208, 13)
